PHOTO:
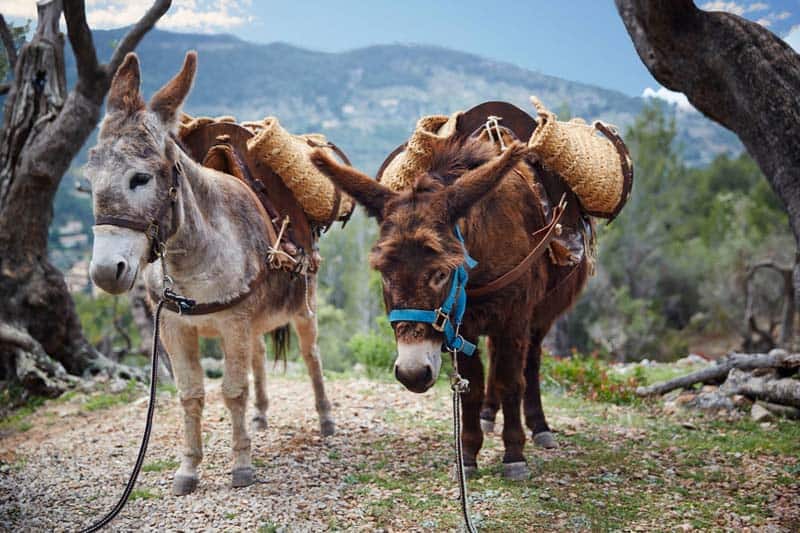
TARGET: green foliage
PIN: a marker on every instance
(591, 377)
(670, 268)
(160, 465)
(18, 35)
(98, 313)
(106, 400)
(375, 349)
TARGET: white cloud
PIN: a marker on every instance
(203, 16)
(736, 8)
(24, 9)
(793, 38)
(677, 99)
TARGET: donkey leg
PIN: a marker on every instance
(238, 347)
(491, 402)
(532, 403)
(259, 383)
(510, 386)
(181, 343)
(306, 327)
(471, 368)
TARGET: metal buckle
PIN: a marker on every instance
(440, 321)
(152, 230)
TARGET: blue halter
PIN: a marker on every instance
(447, 317)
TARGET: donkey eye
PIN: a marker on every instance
(139, 179)
(439, 277)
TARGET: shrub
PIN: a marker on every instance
(375, 349)
(589, 376)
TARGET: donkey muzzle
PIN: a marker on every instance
(417, 364)
(116, 257)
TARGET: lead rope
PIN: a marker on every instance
(459, 386)
(103, 522)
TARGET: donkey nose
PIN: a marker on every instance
(417, 379)
(108, 274)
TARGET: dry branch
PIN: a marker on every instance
(717, 373)
(784, 391)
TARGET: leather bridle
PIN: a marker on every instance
(156, 228)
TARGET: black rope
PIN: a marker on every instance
(103, 522)
(458, 386)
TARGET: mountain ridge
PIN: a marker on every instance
(368, 99)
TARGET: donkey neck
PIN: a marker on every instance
(219, 245)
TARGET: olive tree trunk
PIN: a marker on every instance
(44, 127)
(737, 73)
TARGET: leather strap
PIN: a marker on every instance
(207, 308)
(155, 229)
(545, 235)
(337, 193)
(627, 168)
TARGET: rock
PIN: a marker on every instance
(212, 367)
(711, 401)
(759, 414)
(691, 360)
(117, 385)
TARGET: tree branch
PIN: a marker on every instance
(8, 43)
(132, 38)
(80, 37)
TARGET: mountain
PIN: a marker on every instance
(368, 100)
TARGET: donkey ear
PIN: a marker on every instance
(475, 184)
(166, 103)
(124, 95)
(364, 190)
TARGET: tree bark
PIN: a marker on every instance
(784, 391)
(44, 128)
(718, 372)
(737, 73)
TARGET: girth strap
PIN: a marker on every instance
(545, 235)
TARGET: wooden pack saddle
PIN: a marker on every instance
(223, 146)
(501, 120)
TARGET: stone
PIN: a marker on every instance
(759, 414)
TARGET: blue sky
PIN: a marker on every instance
(581, 40)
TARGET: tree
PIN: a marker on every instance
(44, 127)
(737, 73)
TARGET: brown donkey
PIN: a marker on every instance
(417, 253)
(150, 198)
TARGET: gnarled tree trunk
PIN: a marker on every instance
(44, 128)
(737, 73)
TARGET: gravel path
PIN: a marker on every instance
(71, 466)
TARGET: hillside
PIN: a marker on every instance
(367, 100)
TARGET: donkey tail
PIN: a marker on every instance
(281, 340)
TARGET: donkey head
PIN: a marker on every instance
(417, 250)
(131, 172)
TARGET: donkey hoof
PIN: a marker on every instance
(470, 472)
(259, 423)
(327, 428)
(243, 477)
(546, 440)
(487, 426)
(517, 471)
(183, 484)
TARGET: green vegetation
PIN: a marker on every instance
(591, 378)
(105, 400)
(143, 494)
(160, 465)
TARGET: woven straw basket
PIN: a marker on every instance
(430, 132)
(597, 170)
(288, 156)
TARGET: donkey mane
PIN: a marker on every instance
(455, 157)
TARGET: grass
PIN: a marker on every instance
(624, 466)
(161, 465)
(106, 400)
(16, 420)
(143, 494)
